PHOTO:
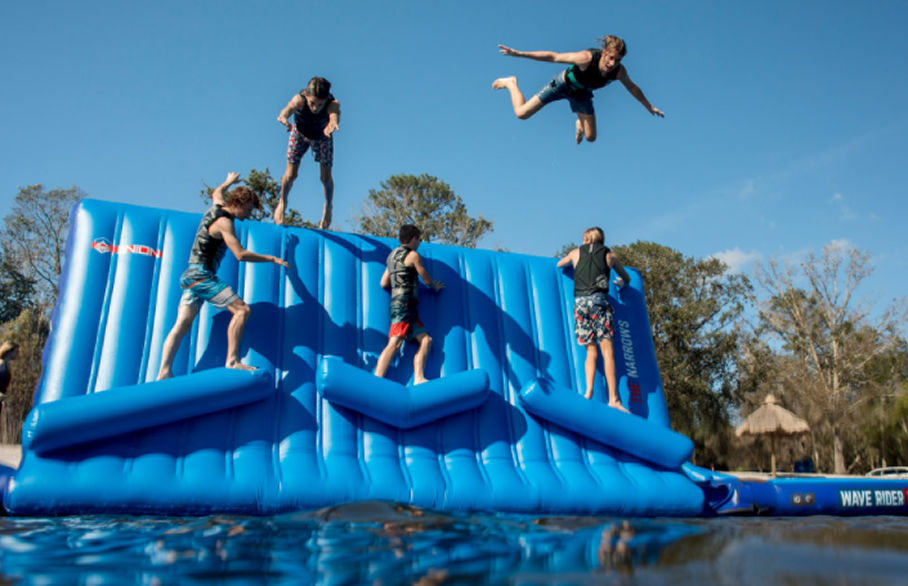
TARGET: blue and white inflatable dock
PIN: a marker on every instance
(501, 427)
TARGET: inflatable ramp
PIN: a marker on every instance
(501, 425)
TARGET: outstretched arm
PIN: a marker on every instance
(217, 196)
(414, 260)
(581, 58)
(570, 259)
(615, 263)
(223, 227)
(635, 91)
(295, 103)
(334, 112)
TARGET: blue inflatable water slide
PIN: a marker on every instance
(502, 425)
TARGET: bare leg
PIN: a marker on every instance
(235, 328)
(608, 361)
(586, 127)
(384, 360)
(185, 315)
(286, 185)
(419, 361)
(328, 185)
(589, 368)
(523, 109)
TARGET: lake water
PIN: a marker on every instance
(385, 543)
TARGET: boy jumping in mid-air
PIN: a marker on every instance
(592, 311)
(589, 70)
(316, 115)
(200, 281)
(401, 270)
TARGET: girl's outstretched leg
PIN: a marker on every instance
(523, 109)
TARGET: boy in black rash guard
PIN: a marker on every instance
(316, 115)
(401, 270)
(592, 311)
(200, 281)
(589, 70)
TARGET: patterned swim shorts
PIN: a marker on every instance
(322, 148)
(593, 319)
(200, 285)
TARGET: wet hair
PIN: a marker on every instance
(613, 43)
(318, 87)
(408, 232)
(593, 234)
(242, 196)
(7, 348)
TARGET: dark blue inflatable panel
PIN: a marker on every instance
(508, 316)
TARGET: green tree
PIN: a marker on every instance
(426, 202)
(268, 190)
(34, 236)
(16, 290)
(694, 306)
(30, 330)
(828, 339)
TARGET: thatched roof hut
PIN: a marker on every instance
(773, 420)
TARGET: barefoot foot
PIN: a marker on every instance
(588, 395)
(503, 82)
(419, 381)
(164, 375)
(578, 134)
(237, 365)
(617, 405)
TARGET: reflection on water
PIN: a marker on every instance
(386, 543)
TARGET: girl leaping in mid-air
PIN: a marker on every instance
(589, 70)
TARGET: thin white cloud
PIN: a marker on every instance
(841, 244)
(736, 259)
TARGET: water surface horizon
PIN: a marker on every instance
(388, 543)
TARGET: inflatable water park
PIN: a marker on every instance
(501, 426)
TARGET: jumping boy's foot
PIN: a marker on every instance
(237, 365)
(165, 375)
(419, 381)
(617, 405)
(588, 395)
(578, 136)
(503, 82)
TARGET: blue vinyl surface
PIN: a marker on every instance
(288, 447)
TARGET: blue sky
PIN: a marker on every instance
(785, 124)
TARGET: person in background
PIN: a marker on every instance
(200, 281)
(316, 115)
(593, 314)
(401, 270)
(589, 70)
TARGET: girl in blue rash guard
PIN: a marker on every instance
(589, 70)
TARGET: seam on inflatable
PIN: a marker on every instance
(229, 448)
(506, 387)
(152, 305)
(470, 352)
(316, 356)
(277, 368)
(105, 309)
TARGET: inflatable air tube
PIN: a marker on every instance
(87, 418)
(622, 431)
(395, 404)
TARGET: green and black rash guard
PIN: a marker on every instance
(591, 78)
(206, 249)
(591, 275)
(404, 280)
